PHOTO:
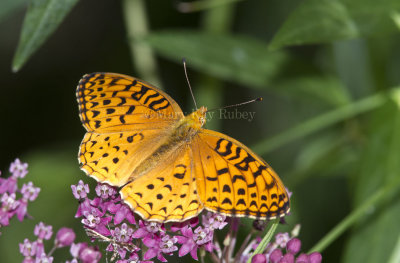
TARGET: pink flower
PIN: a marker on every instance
(8, 190)
(167, 244)
(192, 241)
(18, 169)
(83, 206)
(27, 249)
(123, 234)
(42, 231)
(303, 258)
(259, 258)
(214, 221)
(281, 239)
(92, 218)
(22, 209)
(124, 212)
(134, 258)
(293, 246)
(76, 248)
(191, 223)
(315, 257)
(30, 192)
(157, 246)
(147, 229)
(105, 191)
(9, 204)
(89, 255)
(44, 259)
(8, 185)
(65, 237)
(81, 190)
(275, 255)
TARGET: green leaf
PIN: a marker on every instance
(9, 6)
(199, 5)
(378, 234)
(41, 20)
(396, 18)
(320, 122)
(315, 88)
(322, 21)
(232, 58)
(395, 257)
(328, 154)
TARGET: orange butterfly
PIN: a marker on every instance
(168, 167)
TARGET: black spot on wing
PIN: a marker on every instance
(222, 171)
(227, 201)
(226, 188)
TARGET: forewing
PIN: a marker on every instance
(233, 180)
(168, 193)
(126, 119)
(111, 102)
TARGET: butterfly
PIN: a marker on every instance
(166, 166)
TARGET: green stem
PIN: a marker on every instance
(350, 220)
(195, 6)
(142, 55)
(217, 20)
(264, 242)
(321, 121)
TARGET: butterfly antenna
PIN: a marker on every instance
(187, 79)
(238, 104)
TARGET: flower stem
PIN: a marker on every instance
(243, 246)
(264, 242)
(233, 237)
(215, 258)
(52, 251)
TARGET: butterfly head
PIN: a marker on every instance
(198, 118)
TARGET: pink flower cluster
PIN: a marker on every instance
(11, 203)
(35, 252)
(108, 219)
(274, 251)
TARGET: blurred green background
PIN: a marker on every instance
(329, 123)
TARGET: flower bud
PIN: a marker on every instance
(89, 255)
(293, 246)
(275, 255)
(259, 258)
(315, 257)
(288, 258)
(65, 237)
(302, 258)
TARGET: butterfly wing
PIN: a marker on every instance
(233, 180)
(111, 157)
(168, 193)
(123, 116)
(110, 102)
